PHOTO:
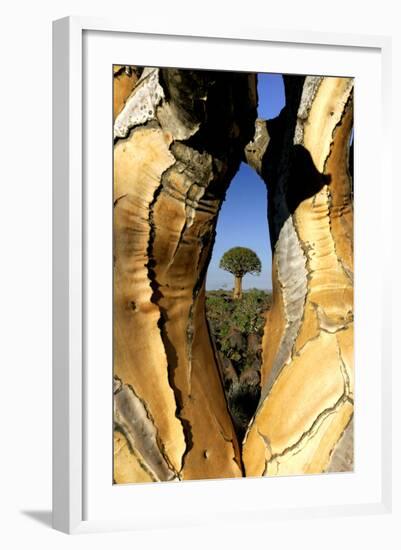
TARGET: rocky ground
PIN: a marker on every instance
(237, 329)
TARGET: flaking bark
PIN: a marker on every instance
(179, 139)
(173, 164)
(307, 371)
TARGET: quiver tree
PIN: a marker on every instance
(306, 406)
(180, 136)
(179, 141)
(239, 261)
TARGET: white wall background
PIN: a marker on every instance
(25, 288)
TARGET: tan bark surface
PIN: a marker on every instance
(307, 372)
(124, 81)
(179, 139)
(171, 172)
(237, 294)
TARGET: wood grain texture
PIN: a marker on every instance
(124, 81)
(307, 395)
(179, 139)
(171, 171)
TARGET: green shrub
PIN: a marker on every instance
(237, 328)
(232, 320)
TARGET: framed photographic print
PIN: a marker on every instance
(215, 350)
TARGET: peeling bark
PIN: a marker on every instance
(307, 385)
(134, 421)
(172, 168)
(180, 136)
(342, 458)
(124, 81)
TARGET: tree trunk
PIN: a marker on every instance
(307, 373)
(172, 166)
(237, 293)
(179, 140)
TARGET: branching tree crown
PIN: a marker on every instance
(240, 260)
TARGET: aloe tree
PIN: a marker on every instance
(239, 261)
(180, 137)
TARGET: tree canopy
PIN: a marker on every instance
(240, 260)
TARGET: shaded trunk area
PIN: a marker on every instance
(307, 370)
(179, 140)
(180, 136)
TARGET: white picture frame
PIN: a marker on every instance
(73, 411)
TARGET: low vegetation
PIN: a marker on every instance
(236, 327)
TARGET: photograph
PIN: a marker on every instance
(233, 295)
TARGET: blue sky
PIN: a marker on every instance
(243, 216)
